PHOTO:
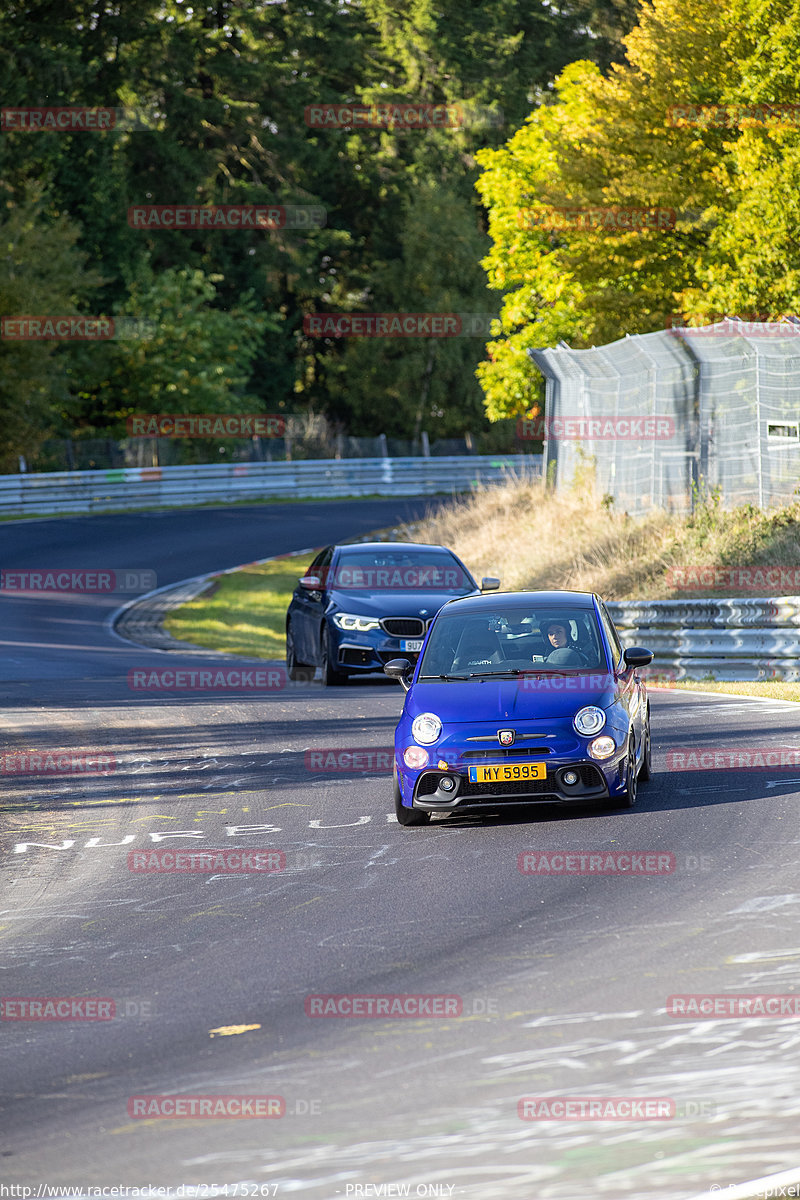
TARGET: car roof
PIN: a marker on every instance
(384, 546)
(553, 600)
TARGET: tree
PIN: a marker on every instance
(189, 356)
(42, 273)
(607, 143)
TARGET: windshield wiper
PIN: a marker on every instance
(513, 671)
(447, 677)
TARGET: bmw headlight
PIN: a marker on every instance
(353, 623)
(589, 720)
(426, 728)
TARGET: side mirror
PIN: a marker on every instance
(399, 668)
(489, 583)
(311, 583)
(637, 656)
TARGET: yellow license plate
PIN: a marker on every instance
(507, 772)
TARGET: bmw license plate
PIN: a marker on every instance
(412, 645)
(507, 772)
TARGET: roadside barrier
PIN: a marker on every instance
(743, 639)
(224, 483)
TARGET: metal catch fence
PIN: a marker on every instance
(668, 416)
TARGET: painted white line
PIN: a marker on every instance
(729, 695)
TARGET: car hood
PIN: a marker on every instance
(391, 603)
(500, 699)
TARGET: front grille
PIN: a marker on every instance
(403, 626)
(515, 787)
(590, 776)
(427, 784)
(591, 780)
(506, 752)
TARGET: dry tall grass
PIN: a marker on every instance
(535, 538)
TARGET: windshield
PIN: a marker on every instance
(397, 569)
(509, 641)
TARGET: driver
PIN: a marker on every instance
(561, 654)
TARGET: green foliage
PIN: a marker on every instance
(613, 141)
(41, 272)
(218, 94)
(192, 357)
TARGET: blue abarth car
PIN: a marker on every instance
(520, 698)
(358, 606)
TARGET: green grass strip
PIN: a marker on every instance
(245, 612)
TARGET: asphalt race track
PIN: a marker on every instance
(557, 984)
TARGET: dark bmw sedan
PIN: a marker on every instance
(358, 606)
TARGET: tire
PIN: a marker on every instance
(407, 816)
(646, 768)
(330, 676)
(628, 797)
(294, 668)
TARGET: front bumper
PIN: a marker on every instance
(593, 785)
(369, 651)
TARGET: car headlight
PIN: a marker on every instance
(589, 720)
(353, 623)
(415, 757)
(602, 747)
(426, 728)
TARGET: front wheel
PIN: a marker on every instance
(330, 676)
(407, 816)
(646, 768)
(628, 797)
(294, 668)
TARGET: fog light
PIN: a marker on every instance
(415, 757)
(446, 784)
(602, 747)
(569, 777)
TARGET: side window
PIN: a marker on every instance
(312, 570)
(321, 563)
(616, 647)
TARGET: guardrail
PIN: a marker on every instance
(224, 483)
(741, 639)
